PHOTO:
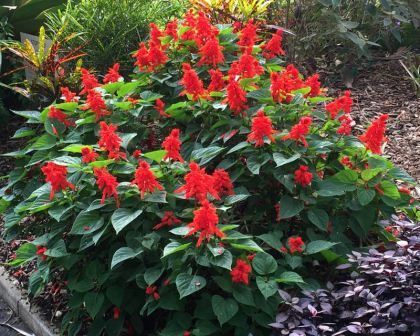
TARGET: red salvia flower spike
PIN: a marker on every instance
(113, 74)
(142, 57)
(299, 130)
(295, 244)
(169, 219)
(96, 103)
(145, 179)
(68, 95)
(216, 80)
(211, 53)
(89, 81)
(248, 35)
(172, 145)
(273, 48)
(222, 183)
(108, 139)
(192, 83)
(315, 85)
(240, 273)
(236, 96)
(302, 176)
(374, 136)
(160, 107)
(88, 155)
(56, 175)
(107, 183)
(55, 113)
(261, 127)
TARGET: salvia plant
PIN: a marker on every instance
(178, 202)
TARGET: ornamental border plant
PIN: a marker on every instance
(178, 202)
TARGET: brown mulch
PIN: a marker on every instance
(385, 87)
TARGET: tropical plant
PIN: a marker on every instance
(108, 29)
(178, 202)
(46, 66)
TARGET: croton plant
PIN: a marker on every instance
(178, 202)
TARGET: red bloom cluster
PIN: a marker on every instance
(261, 127)
(192, 83)
(89, 81)
(315, 85)
(96, 103)
(110, 141)
(211, 53)
(205, 220)
(248, 35)
(145, 179)
(88, 155)
(345, 161)
(345, 126)
(68, 95)
(375, 134)
(216, 80)
(171, 29)
(137, 153)
(302, 176)
(282, 84)
(296, 244)
(113, 74)
(222, 183)
(168, 219)
(40, 250)
(56, 175)
(198, 184)
(247, 66)
(236, 96)
(240, 273)
(342, 103)
(160, 107)
(152, 290)
(199, 30)
(107, 183)
(299, 130)
(149, 59)
(273, 47)
(172, 145)
(55, 113)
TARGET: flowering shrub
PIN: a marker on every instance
(179, 202)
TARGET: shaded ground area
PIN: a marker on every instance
(385, 88)
(8, 317)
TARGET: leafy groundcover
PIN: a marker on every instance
(178, 202)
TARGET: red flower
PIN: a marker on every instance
(222, 183)
(113, 75)
(375, 134)
(240, 273)
(160, 107)
(315, 85)
(273, 47)
(145, 179)
(68, 95)
(198, 184)
(217, 83)
(107, 183)
(96, 103)
(192, 83)
(88, 155)
(142, 57)
(303, 176)
(345, 161)
(282, 84)
(152, 290)
(155, 34)
(89, 81)
(116, 313)
(56, 175)
(250, 257)
(346, 123)
(156, 56)
(299, 130)
(236, 96)
(168, 219)
(404, 190)
(109, 140)
(247, 66)
(172, 29)
(132, 100)
(248, 35)
(205, 220)
(40, 250)
(55, 113)
(186, 333)
(261, 127)
(211, 53)
(172, 145)
(296, 244)
(342, 103)
(393, 231)
(137, 153)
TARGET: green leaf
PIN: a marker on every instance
(93, 302)
(255, 162)
(264, 263)
(127, 88)
(328, 188)
(224, 260)
(224, 309)
(347, 176)
(75, 148)
(23, 132)
(247, 245)
(369, 174)
(152, 274)
(272, 239)
(36, 115)
(86, 222)
(262, 95)
(290, 207)
(58, 250)
(122, 217)
(229, 200)
(24, 253)
(174, 247)
(290, 277)
(281, 160)
(400, 174)
(319, 218)
(45, 141)
(390, 190)
(205, 155)
(122, 254)
(365, 196)
(243, 294)
(239, 146)
(318, 246)
(267, 287)
(187, 284)
(155, 155)
(126, 138)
